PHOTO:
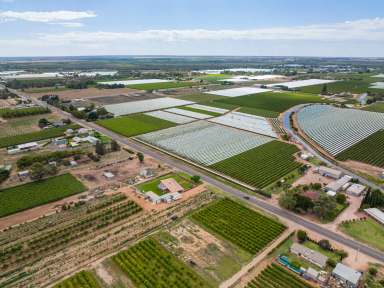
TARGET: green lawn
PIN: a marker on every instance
(133, 125)
(29, 195)
(162, 85)
(273, 101)
(375, 107)
(214, 114)
(214, 78)
(35, 136)
(181, 178)
(260, 166)
(259, 112)
(368, 231)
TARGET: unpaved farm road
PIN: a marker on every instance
(284, 214)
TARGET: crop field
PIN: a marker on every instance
(353, 86)
(200, 111)
(35, 136)
(189, 113)
(135, 124)
(337, 129)
(204, 142)
(252, 123)
(149, 264)
(134, 107)
(29, 195)
(273, 101)
(171, 117)
(23, 125)
(370, 150)
(275, 276)
(376, 107)
(13, 113)
(259, 112)
(240, 225)
(83, 279)
(262, 165)
(162, 85)
(208, 108)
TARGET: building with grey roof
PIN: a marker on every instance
(310, 255)
(349, 277)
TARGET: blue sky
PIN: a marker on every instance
(192, 27)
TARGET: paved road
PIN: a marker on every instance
(309, 148)
(162, 157)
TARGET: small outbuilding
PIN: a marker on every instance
(348, 276)
(356, 190)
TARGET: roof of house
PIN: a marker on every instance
(153, 196)
(311, 255)
(27, 145)
(347, 273)
(171, 185)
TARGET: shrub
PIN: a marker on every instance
(195, 178)
(324, 243)
(332, 263)
(373, 271)
(302, 236)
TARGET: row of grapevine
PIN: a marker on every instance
(82, 279)
(275, 276)
(370, 150)
(262, 165)
(148, 264)
(240, 225)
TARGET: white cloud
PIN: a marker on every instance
(69, 24)
(46, 16)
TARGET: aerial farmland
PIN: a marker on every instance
(189, 177)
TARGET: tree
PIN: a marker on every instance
(302, 236)
(37, 171)
(331, 263)
(287, 200)
(341, 198)
(195, 179)
(303, 203)
(342, 253)
(4, 174)
(140, 156)
(324, 90)
(115, 146)
(373, 198)
(325, 206)
(43, 122)
(100, 148)
(324, 243)
(373, 271)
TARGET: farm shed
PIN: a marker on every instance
(356, 189)
(347, 275)
(310, 255)
(338, 185)
(376, 214)
(329, 172)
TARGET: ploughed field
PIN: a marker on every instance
(240, 225)
(260, 166)
(29, 195)
(135, 124)
(149, 264)
(275, 276)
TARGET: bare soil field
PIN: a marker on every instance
(86, 93)
(311, 177)
(363, 167)
(6, 103)
(115, 99)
